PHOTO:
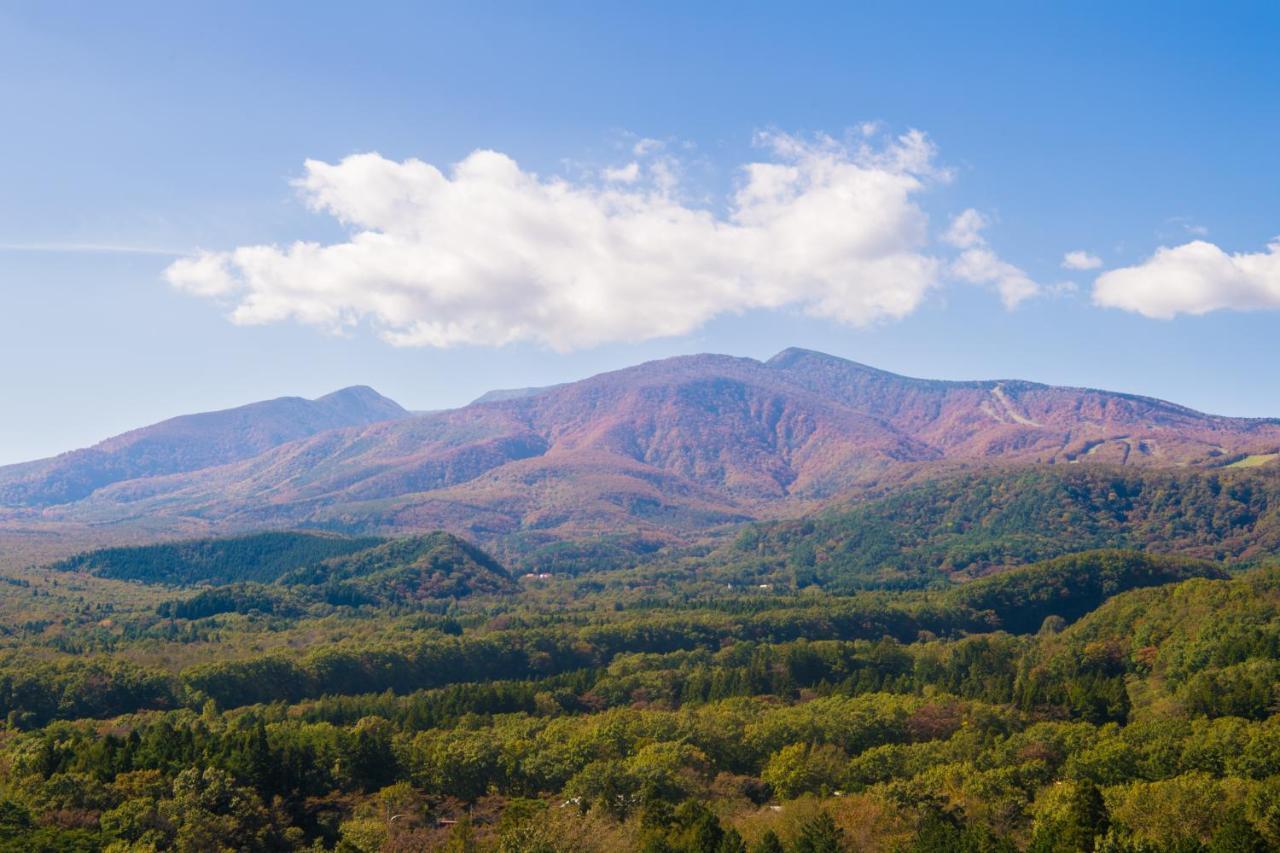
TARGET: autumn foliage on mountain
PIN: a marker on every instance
(659, 452)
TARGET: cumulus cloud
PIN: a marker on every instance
(978, 264)
(1194, 278)
(1081, 260)
(204, 274)
(490, 253)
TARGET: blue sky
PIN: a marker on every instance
(138, 134)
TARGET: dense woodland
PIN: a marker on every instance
(1049, 661)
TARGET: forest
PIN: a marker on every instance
(908, 675)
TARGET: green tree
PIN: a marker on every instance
(1079, 825)
(768, 843)
(731, 842)
(820, 834)
(801, 768)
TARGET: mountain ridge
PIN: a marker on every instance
(663, 449)
(189, 442)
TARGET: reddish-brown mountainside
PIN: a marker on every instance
(665, 447)
(189, 443)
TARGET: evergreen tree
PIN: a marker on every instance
(769, 843)
(820, 835)
(1087, 818)
(731, 842)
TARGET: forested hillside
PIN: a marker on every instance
(987, 520)
(1106, 699)
(262, 557)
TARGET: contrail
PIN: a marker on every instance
(90, 248)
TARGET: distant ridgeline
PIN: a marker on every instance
(661, 454)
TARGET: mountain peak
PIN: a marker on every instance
(360, 391)
(790, 355)
(364, 400)
(189, 443)
(793, 357)
(814, 364)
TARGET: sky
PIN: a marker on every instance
(202, 205)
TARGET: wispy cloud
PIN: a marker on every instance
(978, 264)
(92, 249)
(1081, 260)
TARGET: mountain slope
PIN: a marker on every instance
(987, 520)
(1073, 585)
(668, 449)
(189, 443)
(1027, 421)
(285, 572)
(415, 568)
(1201, 647)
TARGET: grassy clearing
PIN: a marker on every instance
(1255, 460)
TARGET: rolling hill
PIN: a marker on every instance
(282, 572)
(260, 557)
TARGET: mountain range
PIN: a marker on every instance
(189, 443)
(654, 452)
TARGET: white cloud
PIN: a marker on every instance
(966, 229)
(1081, 260)
(981, 266)
(1194, 278)
(489, 253)
(627, 174)
(646, 146)
(977, 264)
(204, 274)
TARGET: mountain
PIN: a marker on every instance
(189, 443)
(1027, 421)
(665, 449)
